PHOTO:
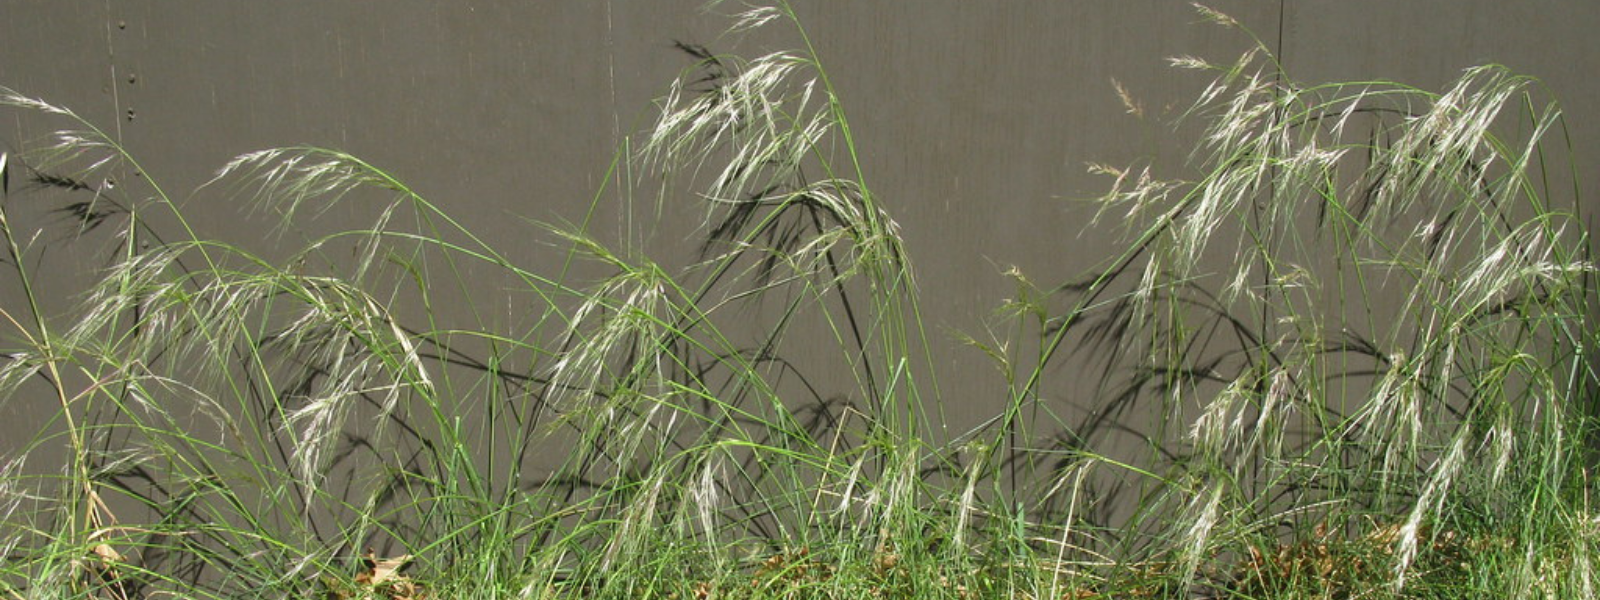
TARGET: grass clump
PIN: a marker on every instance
(1385, 394)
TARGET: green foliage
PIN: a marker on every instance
(1388, 395)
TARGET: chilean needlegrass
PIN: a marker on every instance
(1382, 392)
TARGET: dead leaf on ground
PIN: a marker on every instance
(380, 579)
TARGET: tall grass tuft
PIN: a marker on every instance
(1402, 313)
(1354, 343)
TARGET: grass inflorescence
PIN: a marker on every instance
(1385, 392)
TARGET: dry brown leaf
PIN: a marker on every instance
(386, 569)
(383, 579)
(104, 568)
(106, 553)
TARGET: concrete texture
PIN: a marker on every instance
(976, 119)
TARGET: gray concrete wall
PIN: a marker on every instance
(975, 119)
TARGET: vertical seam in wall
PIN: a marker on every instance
(111, 63)
(1278, 50)
(1272, 184)
(625, 228)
